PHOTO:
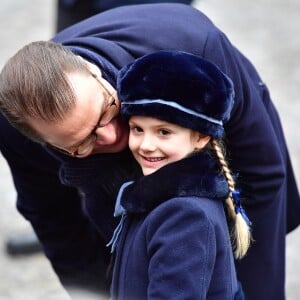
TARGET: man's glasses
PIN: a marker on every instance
(111, 110)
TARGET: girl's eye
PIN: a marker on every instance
(136, 129)
(164, 132)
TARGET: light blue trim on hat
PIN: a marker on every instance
(175, 105)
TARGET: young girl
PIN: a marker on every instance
(173, 241)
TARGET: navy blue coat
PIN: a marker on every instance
(174, 240)
(74, 232)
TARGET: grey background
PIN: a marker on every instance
(266, 31)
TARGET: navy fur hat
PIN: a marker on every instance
(179, 88)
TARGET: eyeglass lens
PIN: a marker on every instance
(106, 118)
(110, 112)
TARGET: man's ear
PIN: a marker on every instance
(91, 67)
(201, 141)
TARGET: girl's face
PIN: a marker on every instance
(156, 143)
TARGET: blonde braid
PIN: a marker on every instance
(241, 234)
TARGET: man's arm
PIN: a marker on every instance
(71, 243)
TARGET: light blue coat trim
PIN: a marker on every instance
(119, 211)
(175, 105)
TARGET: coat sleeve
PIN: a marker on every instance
(55, 211)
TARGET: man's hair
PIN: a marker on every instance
(33, 84)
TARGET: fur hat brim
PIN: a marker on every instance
(177, 87)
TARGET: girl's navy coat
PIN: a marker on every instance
(174, 242)
(74, 233)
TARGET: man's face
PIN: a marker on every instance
(81, 123)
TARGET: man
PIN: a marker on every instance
(80, 95)
(68, 13)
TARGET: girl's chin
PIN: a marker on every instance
(148, 171)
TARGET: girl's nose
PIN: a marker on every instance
(147, 144)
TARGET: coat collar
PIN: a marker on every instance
(197, 175)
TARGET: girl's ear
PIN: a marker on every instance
(91, 67)
(201, 141)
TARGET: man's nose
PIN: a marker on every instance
(106, 135)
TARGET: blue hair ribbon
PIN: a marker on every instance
(238, 206)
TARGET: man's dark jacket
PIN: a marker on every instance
(74, 231)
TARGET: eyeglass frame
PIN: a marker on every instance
(112, 101)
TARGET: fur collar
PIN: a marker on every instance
(197, 175)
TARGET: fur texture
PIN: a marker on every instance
(197, 175)
(192, 92)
